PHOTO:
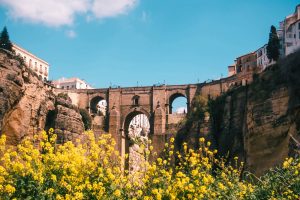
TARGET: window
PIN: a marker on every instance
(299, 26)
(30, 63)
(135, 100)
(299, 34)
(62, 87)
(67, 87)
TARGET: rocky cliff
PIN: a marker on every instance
(28, 105)
(260, 123)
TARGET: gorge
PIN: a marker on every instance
(258, 122)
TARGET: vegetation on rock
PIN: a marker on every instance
(64, 96)
(86, 118)
(40, 169)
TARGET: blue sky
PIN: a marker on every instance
(122, 42)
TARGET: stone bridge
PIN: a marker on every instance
(123, 104)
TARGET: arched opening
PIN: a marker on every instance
(135, 140)
(178, 104)
(135, 100)
(98, 106)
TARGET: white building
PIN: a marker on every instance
(71, 83)
(262, 58)
(280, 34)
(39, 66)
(291, 31)
(289, 41)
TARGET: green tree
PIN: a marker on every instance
(5, 43)
(273, 45)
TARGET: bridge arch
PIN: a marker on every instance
(94, 104)
(173, 97)
(136, 131)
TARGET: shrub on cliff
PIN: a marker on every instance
(64, 96)
(86, 118)
(279, 183)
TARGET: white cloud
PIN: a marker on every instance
(57, 13)
(48, 12)
(111, 8)
(71, 34)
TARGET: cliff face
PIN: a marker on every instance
(26, 102)
(260, 123)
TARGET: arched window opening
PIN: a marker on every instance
(135, 100)
(98, 106)
(178, 104)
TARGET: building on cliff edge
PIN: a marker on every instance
(71, 83)
(38, 65)
(291, 32)
(289, 41)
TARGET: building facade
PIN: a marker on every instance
(243, 68)
(289, 42)
(71, 83)
(280, 34)
(39, 66)
(231, 70)
(291, 32)
(246, 63)
(262, 58)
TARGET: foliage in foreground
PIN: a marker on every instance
(40, 169)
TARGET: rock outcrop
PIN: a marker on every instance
(260, 123)
(68, 123)
(26, 101)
